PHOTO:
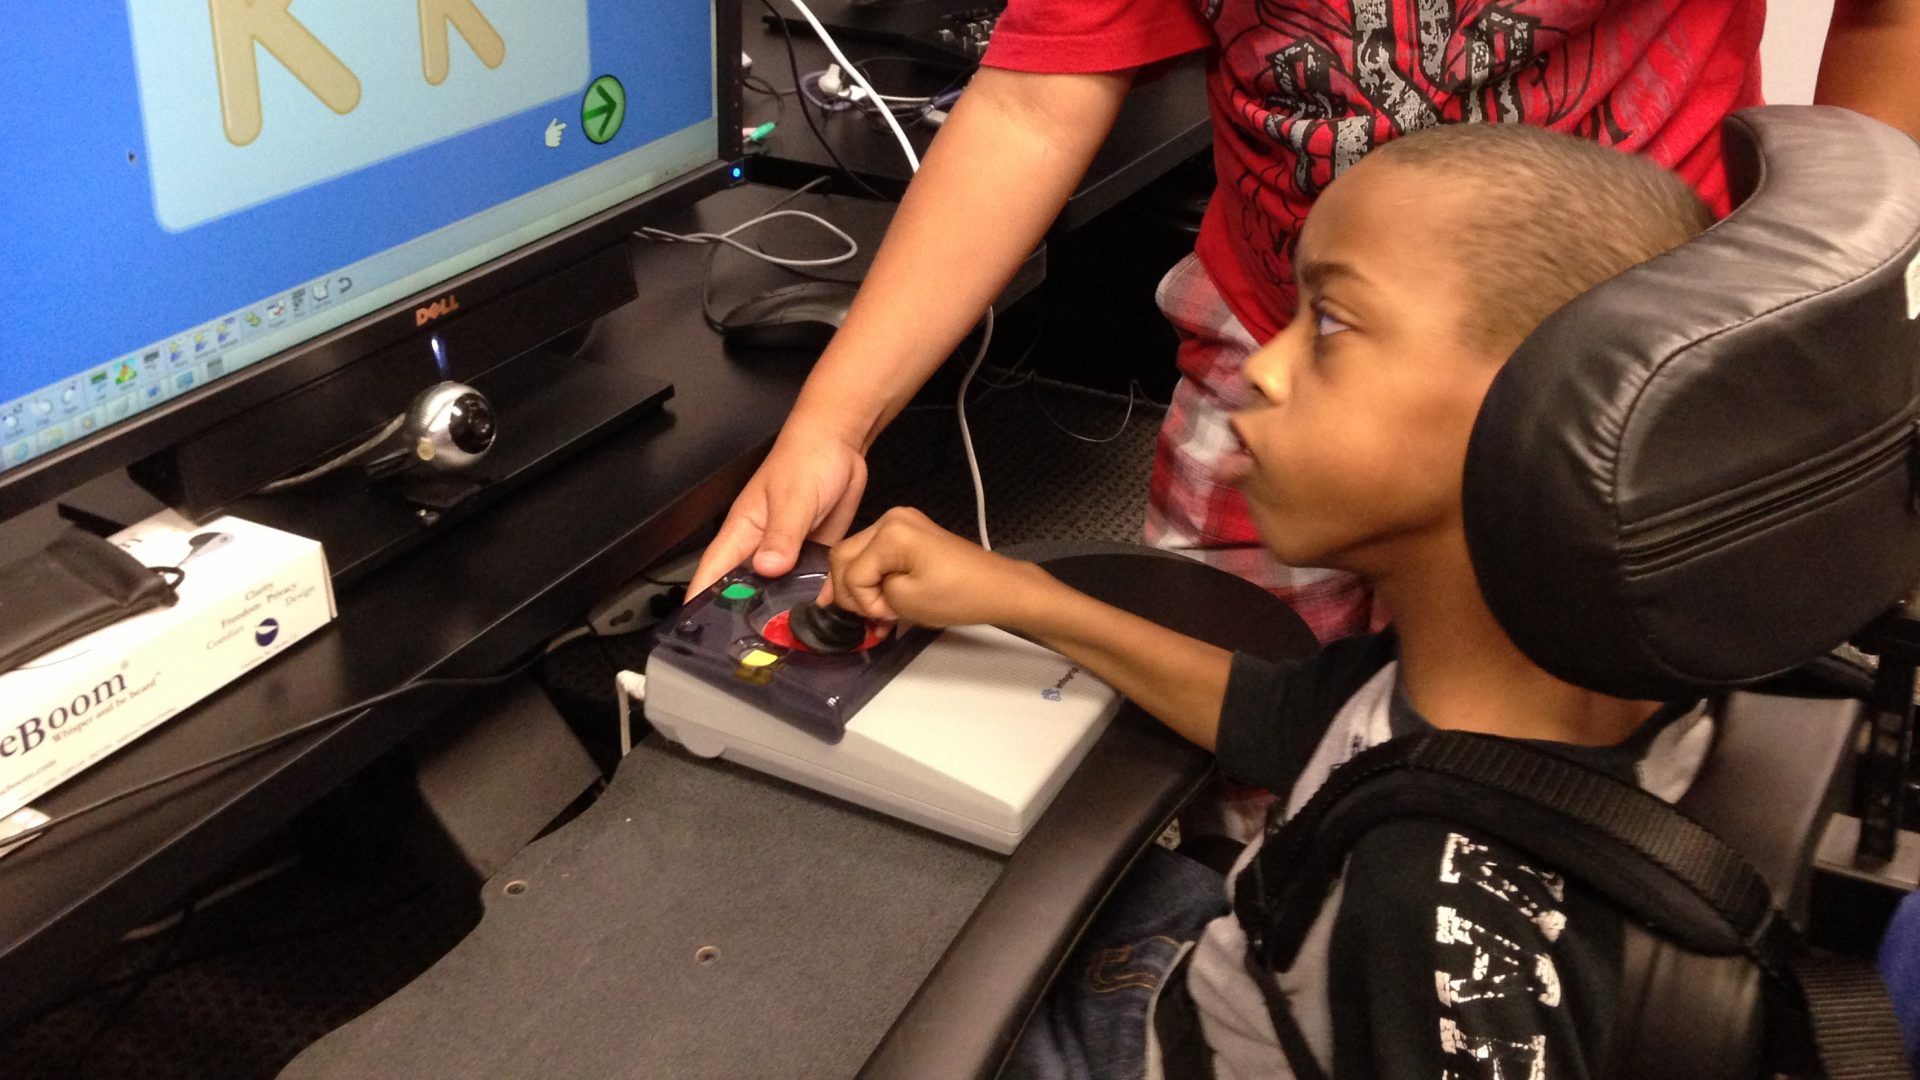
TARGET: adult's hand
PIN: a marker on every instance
(808, 488)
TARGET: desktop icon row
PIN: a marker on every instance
(51, 418)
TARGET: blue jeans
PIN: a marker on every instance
(1093, 1023)
(1900, 967)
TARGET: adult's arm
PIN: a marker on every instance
(1001, 169)
(1869, 64)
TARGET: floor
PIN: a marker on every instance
(336, 914)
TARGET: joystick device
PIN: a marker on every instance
(765, 642)
(969, 731)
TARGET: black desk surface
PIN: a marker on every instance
(1163, 123)
(468, 603)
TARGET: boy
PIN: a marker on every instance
(1442, 954)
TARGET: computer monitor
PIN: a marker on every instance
(207, 208)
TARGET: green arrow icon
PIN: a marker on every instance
(603, 109)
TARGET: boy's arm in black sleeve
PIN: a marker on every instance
(1276, 711)
(1454, 957)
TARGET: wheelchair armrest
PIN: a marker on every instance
(968, 1014)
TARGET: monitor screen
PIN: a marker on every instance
(187, 189)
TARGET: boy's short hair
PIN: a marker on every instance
(1554, 215)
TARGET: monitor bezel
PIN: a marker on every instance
(45, 478)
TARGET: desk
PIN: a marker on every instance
(468, 603)
(1163, 123)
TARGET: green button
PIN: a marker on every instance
(737, 591)
(603, 109)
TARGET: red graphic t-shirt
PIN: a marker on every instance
(1300, 89)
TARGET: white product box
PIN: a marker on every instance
(249, 593)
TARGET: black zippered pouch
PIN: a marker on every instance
(72, 587)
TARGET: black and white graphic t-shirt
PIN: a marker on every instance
(1442, 953)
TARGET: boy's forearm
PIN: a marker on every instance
(1180, 680)
(993, 181)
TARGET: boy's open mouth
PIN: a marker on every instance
(1237, 462)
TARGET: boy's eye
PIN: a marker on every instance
(1329, 325)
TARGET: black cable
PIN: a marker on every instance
(765, 86)
(793, 64)
(761, 86)
(269, 742)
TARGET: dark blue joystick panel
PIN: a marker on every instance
(734, 637)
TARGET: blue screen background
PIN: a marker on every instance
(86, 272)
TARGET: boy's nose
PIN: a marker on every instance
(1268, 371)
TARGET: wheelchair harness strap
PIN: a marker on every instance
(1647, 858)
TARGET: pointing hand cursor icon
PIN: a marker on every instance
(554, 128)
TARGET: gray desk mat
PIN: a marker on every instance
(584, 964)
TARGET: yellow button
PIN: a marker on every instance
(757, 658)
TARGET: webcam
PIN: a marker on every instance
(449, 426)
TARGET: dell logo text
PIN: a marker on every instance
(446, 305)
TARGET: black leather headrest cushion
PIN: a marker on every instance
(1701, 472)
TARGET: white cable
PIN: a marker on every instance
(830, 84)
(986, 332)
(630, 686)
(846, 66)
(966, 436)
(853, 247)
(230, 889)
(574, 634)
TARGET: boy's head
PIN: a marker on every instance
(1420, 270)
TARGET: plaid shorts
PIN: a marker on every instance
(1188, 509)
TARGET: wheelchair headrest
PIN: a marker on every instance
(1702, 472)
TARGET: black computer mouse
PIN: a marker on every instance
(799, 317)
